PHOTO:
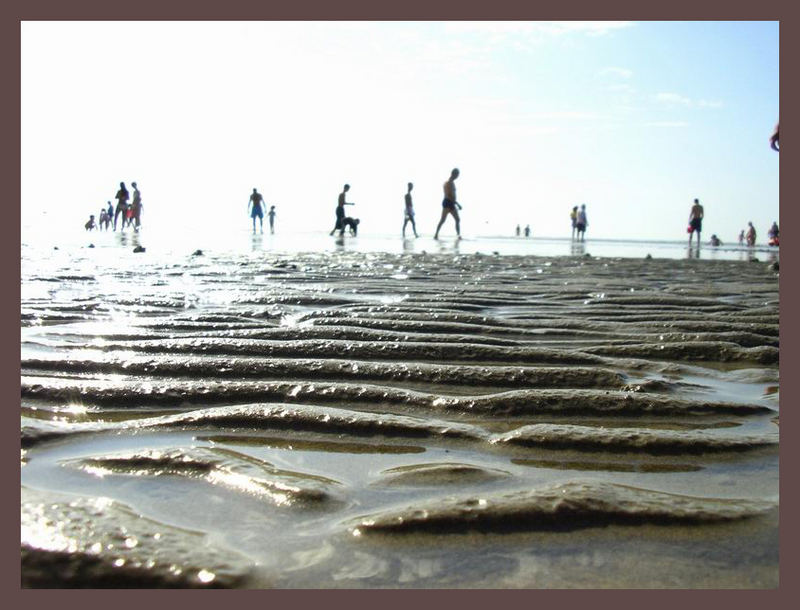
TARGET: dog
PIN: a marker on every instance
(352, 223)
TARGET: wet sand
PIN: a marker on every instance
(418, 420)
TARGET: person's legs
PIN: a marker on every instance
(454, 212)
(413, 226)
(405, 222)
(441, 222)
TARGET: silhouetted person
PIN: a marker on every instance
(750, 237)
(518, 230)
(449, 204)
(90, 223)
(715, 241)
(527, 230)
(122, 197)
(255, 205)
(741, 237)
(136, 207)
(271, 215)
(695, 221)
(340, 211)
(773, 139)
(573, 217)
(581, 222)
(409, 214)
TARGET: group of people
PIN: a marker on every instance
(579, 222)
(131, 213)
(255, 207)
(527, 231)
(746, 237)
(450, 207)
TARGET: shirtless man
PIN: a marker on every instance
(696, 221)
(257, 211)
(340, 211)
(409, 216)
(122, 204)
(449, 204)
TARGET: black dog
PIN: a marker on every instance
(353, 224)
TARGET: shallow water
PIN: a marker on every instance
(247, 417)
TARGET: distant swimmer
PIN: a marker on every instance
(581, 222)
(409, 213)
(122, 197)
(715, 241)
(257, 209)
(136, 207)
(695, 221)
(750, 236)
(340, 215)
(773, 139)
(449, 204)
(573, 217)
(90, 225)
(271, 215)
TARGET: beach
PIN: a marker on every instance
(299, 412)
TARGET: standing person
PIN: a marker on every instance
(409, 213)
(573, 217)
(136, 207)
(751, 234)
(741, 237)
(449, 204)
(257, 209)
(122, 197)
(271, 215)
(517, 230)
(695, 221)
(340, 211)
(527, 230)
(773, 234)
(581, 222)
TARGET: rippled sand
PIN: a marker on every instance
(387, 420)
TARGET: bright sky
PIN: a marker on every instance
(635, 119)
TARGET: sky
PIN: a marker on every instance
(633, 119)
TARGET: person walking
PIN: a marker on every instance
(409, 212)
(450, 203)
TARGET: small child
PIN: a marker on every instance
(90, 223)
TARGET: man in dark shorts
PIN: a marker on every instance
(340, 211)
(257, 210)
(695, 221)
(449, 204)
(122, 197)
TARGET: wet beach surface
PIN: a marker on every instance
(351, 419)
